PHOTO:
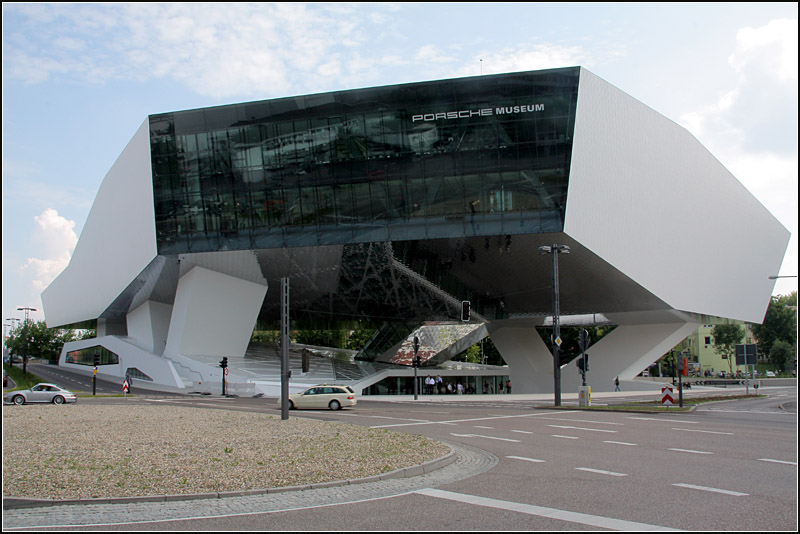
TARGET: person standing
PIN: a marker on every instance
(508, 386)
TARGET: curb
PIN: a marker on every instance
(11, 503)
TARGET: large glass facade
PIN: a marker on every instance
(482, 156)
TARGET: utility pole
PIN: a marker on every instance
(555, 250)
(285, 372)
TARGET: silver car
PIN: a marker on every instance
(49, 393)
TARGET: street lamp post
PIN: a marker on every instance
(25, 356)
(555, 250)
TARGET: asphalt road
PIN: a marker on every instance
(725, 466)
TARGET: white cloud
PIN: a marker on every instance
(217, 50)
(530, 57)
(770, 49)
(56, 239)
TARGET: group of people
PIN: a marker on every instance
(434, 386)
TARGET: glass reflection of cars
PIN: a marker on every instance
(48, 393)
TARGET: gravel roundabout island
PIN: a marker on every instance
(88, 451)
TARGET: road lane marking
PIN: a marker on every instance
(587, 429)
(714, 490)
(664, 420)
(541, 511)
(776, 461)
(703, 431)
(690, 451)
(601, 472)
(522, 432)
(582, 421)
(481, 436)
(621, 443)
(535, 460)
(485, 427)
(565, 437)
(471, 420)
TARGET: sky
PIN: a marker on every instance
(79, 80)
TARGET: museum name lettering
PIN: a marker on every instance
(484, 112)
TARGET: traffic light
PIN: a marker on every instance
(684, 366)
(583, 362)
(579, 363)
(417, 361)
(96, 359)
(465, 310)
(586, 361)
(224, 362)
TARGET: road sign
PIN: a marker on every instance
(225, 371)
(666, 396)
(746, 354)
(558, 341)
(125, 386)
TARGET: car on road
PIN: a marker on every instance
(770, 373)
(323, 396)
(49, 393)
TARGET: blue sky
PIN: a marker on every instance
(79, 79)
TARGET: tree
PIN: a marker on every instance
(35, 340)
(781, 354)
(780, 323)
(726, 337)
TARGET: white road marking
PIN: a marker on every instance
(481, 436)
(551, 513)
(471, 420)
(522, 432)
(690, 451)
(602, 472)
(565, 437)
(486, 427)
(582, 421)
(664, 420)
(703, 431)
(621, 443)
(714, 490)
(587, 429)
(776, 461)
(535, 460)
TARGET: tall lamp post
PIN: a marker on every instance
(555, 250)
(25, 356)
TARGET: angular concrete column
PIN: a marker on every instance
(530, 362)
(626, 352)
(213, 314)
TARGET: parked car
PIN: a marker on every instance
(770, 373)
(323, 396)
(49, 393)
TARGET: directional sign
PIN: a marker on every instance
(666, 396)
(125, 386)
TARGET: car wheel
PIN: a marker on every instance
(58, 399)
(291, 405)
(334, 405)
(19, 400)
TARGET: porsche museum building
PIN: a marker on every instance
(393, 205)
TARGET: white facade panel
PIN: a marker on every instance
(648, 198)
(117, 242)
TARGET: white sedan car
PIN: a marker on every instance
(323, 396)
